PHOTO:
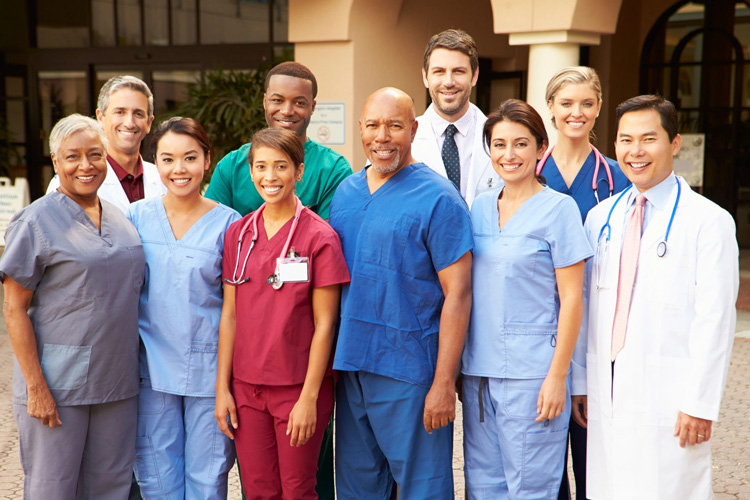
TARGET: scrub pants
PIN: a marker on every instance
(90, 456)
(510, 455)
(380, 438)
(180, 451)
(270, 467)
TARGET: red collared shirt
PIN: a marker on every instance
(132, 185)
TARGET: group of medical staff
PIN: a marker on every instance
(251, 304)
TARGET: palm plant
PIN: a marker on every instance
(229, 105)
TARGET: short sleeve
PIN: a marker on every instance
(340, 171)
(25, 256)
(450, 235)
(565, 235)
(229, 253)
(220, 188)
(328, 264)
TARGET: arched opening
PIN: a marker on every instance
(696, 55)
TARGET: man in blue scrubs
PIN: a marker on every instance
(406, 236)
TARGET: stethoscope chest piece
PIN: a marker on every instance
(661, 250)
(274, 281)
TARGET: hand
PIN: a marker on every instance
(551, 402)
(225, 406)
(41, 405)
(439, 406)
(302, 420)
(580, 410)
(692, 430)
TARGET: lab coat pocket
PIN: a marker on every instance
(203, 359)
(65, 367)
(665, 376)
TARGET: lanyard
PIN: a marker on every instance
(254, 221)
(594, 182)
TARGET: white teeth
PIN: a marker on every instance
(511, 168)
(85, 178)
(271, 189)
(180, 182)
(639, 165)
(383, 153)
(575, 124)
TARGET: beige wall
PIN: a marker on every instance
(359, 46)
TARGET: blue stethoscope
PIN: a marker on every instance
(661, 249)
(594, 181)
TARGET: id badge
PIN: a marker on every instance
(293, 269)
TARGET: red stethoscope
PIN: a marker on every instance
(594, 182)
(274, 278)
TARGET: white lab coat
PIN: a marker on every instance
(676, 355)
(111, 189)
(482, 177)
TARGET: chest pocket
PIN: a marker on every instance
(387, 240)
(516, 256)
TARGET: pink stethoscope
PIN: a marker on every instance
(594, 182)
(274, 278)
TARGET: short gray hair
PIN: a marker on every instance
(73, 124)
(124, 82)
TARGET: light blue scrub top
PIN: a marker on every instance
(395, 242)
(515, 300)
(580, 189)
(180, 304)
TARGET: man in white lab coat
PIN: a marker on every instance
(125, 109)
(449, 72)
(653, 399)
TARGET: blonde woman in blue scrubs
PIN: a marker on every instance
(180, 451)
(527, 278)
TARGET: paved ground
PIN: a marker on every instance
(730, 443)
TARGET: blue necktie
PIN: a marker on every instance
(450, 156)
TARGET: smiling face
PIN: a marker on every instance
(574, 108)
(81, 164)
(125, 121)
(182, 164)
(514, 152)
(644, 151)
(388, 127)
(449, 80)
(289, 104)
(274, 175)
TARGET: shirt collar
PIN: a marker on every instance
(463, 124)
(121, 172)
(658, 195)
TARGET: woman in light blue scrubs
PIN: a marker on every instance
(527, 278)
(180, 451)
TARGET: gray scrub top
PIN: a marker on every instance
(85, 307)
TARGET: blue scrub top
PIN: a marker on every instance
(515, 300)
(395, 241)
(580, 189)
(180, 304)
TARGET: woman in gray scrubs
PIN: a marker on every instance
(72, 271)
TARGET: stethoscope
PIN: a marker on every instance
(273, 279)
(661, 249)
(594, 182)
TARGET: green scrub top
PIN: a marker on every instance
(232, 185)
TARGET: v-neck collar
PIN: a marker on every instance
(79, 214)
(167, 227)
(585, 172)
(496, 225)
